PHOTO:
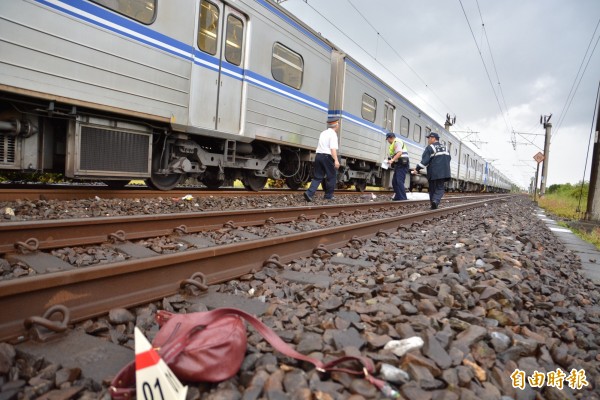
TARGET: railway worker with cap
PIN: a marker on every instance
(437, 160)
(326, 161)
(398, 157)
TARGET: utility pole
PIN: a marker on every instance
(545, 121)
(539, 157)
(593, 204)
(449, 122)
(537, 171)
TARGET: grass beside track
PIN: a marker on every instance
(570, 209)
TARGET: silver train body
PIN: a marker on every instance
(167, 90)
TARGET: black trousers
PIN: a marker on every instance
(398, 181)
(324, 168)
(436, 190)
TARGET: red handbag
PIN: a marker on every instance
(211, 346)
(195, 350)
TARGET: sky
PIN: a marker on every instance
(497, 65)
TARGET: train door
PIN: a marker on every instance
(389, 123)
(485, 175)
(389, 117)
(468, 164)
(217, 72)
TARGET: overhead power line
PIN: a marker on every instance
(574, 88)
(512, 137)
(397, 54)
(501, 103)
(509, 129)
(379, 62)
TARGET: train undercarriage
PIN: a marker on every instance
(45, 136)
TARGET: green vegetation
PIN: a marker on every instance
(569, 202)
(41, 177)
(566, 201)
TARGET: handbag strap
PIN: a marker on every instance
(278, 344)
(121, 385)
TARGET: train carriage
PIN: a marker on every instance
(214, 90)
(369, 108)
(280, 96)
(66, 58)
(358, 99)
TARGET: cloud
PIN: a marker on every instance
(533, 51)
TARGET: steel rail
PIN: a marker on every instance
(93, 291)
(52, 234)
(43, 192)
(133, 192)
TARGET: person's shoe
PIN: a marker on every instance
(434, 205)
(330, 198)
(307, 197)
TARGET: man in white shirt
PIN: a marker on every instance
(326, 161)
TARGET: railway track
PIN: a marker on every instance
(86, 192)
(483, 284)
(53, 192)
(49, 234)
(91, 291)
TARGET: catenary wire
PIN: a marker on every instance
(574, 88)
(399, 56)
(485, 66)
(373, 57)
(513, 139)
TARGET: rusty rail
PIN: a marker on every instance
(93, 291)
(51, 234)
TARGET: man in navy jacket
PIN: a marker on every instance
(437, 161)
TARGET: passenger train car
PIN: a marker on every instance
(166, 90)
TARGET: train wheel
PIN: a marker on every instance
(164, 181)
(360, 185)
(253, 182)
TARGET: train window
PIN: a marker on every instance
(208, 27)
(287, 66)
(369, 107)
(404, 125)
(233, 42)
(389, 115)
(143, 11)
(450, 148)
(417, 133)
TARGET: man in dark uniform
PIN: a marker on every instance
(437, 161)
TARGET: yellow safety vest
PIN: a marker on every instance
(392, 148)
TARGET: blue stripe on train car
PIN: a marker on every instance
(103, 18)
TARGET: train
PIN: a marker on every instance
(166, 91)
